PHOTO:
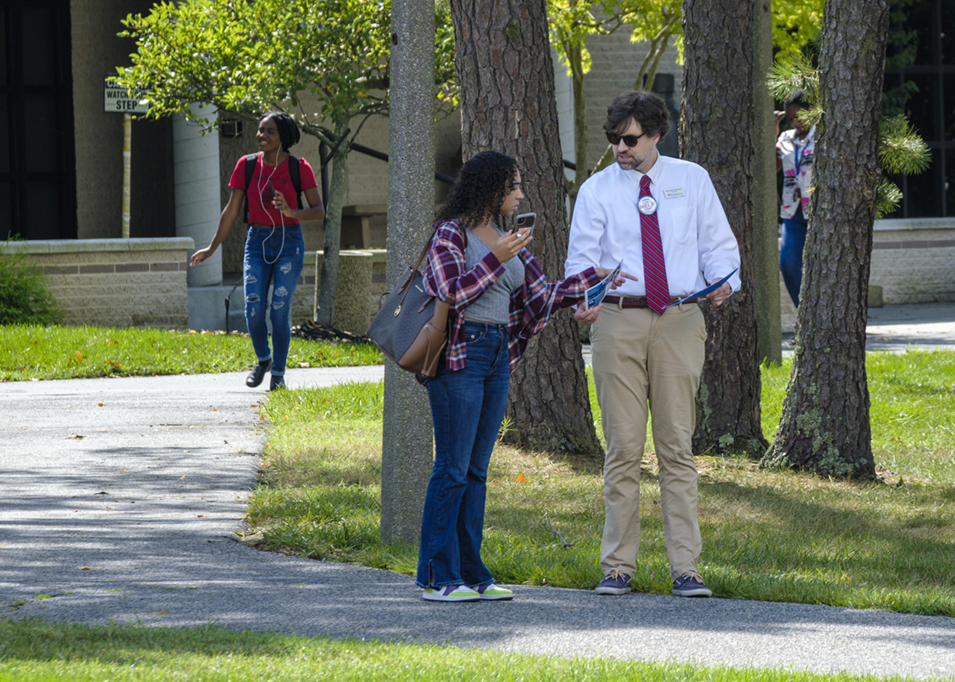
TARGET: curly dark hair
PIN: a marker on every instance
(480, 189)
(646, 108)
(288, 131)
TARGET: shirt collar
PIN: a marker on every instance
(655, 173)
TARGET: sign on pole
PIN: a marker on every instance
(118, 99)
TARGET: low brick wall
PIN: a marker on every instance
(116, 282)
(913, 261)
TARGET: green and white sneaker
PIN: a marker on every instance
(450, 593)
(492, 592)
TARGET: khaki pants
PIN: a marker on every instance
(641, 358)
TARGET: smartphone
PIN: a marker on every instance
(526, 221)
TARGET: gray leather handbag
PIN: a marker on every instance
(411, 327)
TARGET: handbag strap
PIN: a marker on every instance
(424, 252)
(407, 282)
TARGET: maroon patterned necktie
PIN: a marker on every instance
(654, 269)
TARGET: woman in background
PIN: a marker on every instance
(794, 158)
(275, 247)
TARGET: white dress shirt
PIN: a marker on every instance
(698, 245)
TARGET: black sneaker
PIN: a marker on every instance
(277, 383)
(615, 583)
(690, 584)
(258, 373)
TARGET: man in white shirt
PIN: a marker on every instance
(647, 354)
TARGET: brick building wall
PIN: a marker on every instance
(115, 282)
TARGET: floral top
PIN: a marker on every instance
(796, 156)
(532, 304)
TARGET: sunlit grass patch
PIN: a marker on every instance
(770, 535)
(33, 352)
(36, 651)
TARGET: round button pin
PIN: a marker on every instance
(647, 205)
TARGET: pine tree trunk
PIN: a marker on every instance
(508, 104)
(824, 426)
(716, 131)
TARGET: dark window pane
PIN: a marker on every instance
(39, 47)
(5, 150)
(923, 196)
(923, 107)
(948, 100)
(950, 182)
(3, 45)
(43, 206)
(6, 210)
(948, 33)
(919, 18)
(39, 124)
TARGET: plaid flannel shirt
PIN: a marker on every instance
(532, 304)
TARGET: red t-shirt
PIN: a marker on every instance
(266, 180)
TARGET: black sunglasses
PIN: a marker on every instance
(629, 140)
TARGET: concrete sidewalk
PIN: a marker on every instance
(122, 499)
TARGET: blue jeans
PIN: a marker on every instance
(790, 254)
(272, 258)
(467, 407)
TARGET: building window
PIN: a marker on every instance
(37, 164)
(932, 109)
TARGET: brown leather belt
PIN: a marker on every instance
(634, 301)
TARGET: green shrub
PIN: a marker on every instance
(24, 297)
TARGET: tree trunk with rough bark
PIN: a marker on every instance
(508, 104)
(333, 230)
(716, 131)
(824, 426)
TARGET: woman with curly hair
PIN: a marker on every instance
(498, 298)
(275, 247)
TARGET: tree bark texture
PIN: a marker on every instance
(716, 131)
(508, 104)
(333, 231)
(824, 426)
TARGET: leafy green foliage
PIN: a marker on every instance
(796, 24)
(902, 151)
(319, 61)
(24, 296)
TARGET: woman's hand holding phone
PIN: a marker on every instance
(509, 245)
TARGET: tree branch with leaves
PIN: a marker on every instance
(323, 63)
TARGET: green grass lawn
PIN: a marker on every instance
(770, 535)
(34, 651)
(33, 352)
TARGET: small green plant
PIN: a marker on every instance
(24, 296)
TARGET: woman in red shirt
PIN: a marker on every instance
(275, 248)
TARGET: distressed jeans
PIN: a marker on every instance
(467, 407)
(273, 258)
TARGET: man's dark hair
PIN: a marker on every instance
(480, 189)
(646, 108)
(288, 131)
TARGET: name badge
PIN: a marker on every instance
(647, 205)
(674, 193)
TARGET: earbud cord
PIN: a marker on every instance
(271, 220)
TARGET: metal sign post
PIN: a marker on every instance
(118, 100)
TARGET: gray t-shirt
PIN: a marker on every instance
(494, 305)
